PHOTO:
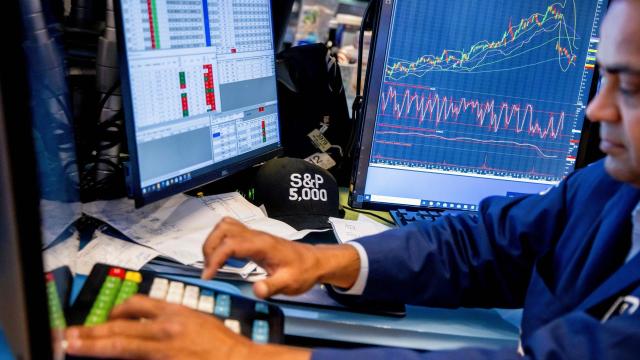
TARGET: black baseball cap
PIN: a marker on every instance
(298, 193)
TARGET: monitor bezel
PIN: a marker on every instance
(377, 56)
(219, 171)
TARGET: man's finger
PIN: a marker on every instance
(121, 347)
(139, 307)
(225, 227)
(249, 245)
(272, 285)
(131, 328)
(216, 259)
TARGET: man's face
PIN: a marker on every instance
(617, 105)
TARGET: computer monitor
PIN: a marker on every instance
(471, 99)
(199, 91)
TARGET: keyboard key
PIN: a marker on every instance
(56, 315)
(116, 273)
(223, 305)
(133, 276)
(233, 325)
(190, 298)
(129, 286)
(175, 293)
(262, 308)
(206, 303)
(260, 332)
(159, 288)
(106, 298)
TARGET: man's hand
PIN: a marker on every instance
(293, 267)
(143, 328)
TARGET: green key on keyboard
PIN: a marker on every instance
(106, 298)
(56, 315)
(129, 286)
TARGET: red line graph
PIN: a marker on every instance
(490, 114)
(482, 167)
(494, 143)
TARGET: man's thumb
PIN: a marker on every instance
(270, 286)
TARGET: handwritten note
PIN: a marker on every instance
(348, 230)
(112, 251)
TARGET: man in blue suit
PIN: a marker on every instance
(569, 257)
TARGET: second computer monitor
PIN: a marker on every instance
(199, 90)
(468, 99)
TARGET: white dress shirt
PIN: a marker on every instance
(635, 234)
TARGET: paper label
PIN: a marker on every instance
(319, 140)
(322, 159)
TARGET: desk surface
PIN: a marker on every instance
(423, 328)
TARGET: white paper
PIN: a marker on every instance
(62, 254)
(348, 230)
(233, 205)
(176, 227)
(236, 206)
(57, 216)
(271, 226)
(112, 251)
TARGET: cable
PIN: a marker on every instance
(356, 108)
(107, 95)
(369, 213)
(363, 27)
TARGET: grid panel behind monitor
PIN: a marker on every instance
(200, 91)
(472, 99)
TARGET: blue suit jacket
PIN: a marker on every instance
(561, 256)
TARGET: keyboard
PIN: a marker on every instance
(403, 217)
(108, 286)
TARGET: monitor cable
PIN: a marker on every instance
(370, 214)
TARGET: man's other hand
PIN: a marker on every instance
(293, 267)
(144, 328)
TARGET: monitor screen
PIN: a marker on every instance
(199, 89)
(469, 99)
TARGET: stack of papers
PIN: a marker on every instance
(175, 228)
(110, 250)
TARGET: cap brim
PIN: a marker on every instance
(305, 222)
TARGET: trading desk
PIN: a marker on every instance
(421, 329)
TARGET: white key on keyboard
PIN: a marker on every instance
(190, 298)
(159, 288)
(206, 303)
(233, 325)
(176, 290)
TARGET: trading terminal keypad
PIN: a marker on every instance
(107, 287)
